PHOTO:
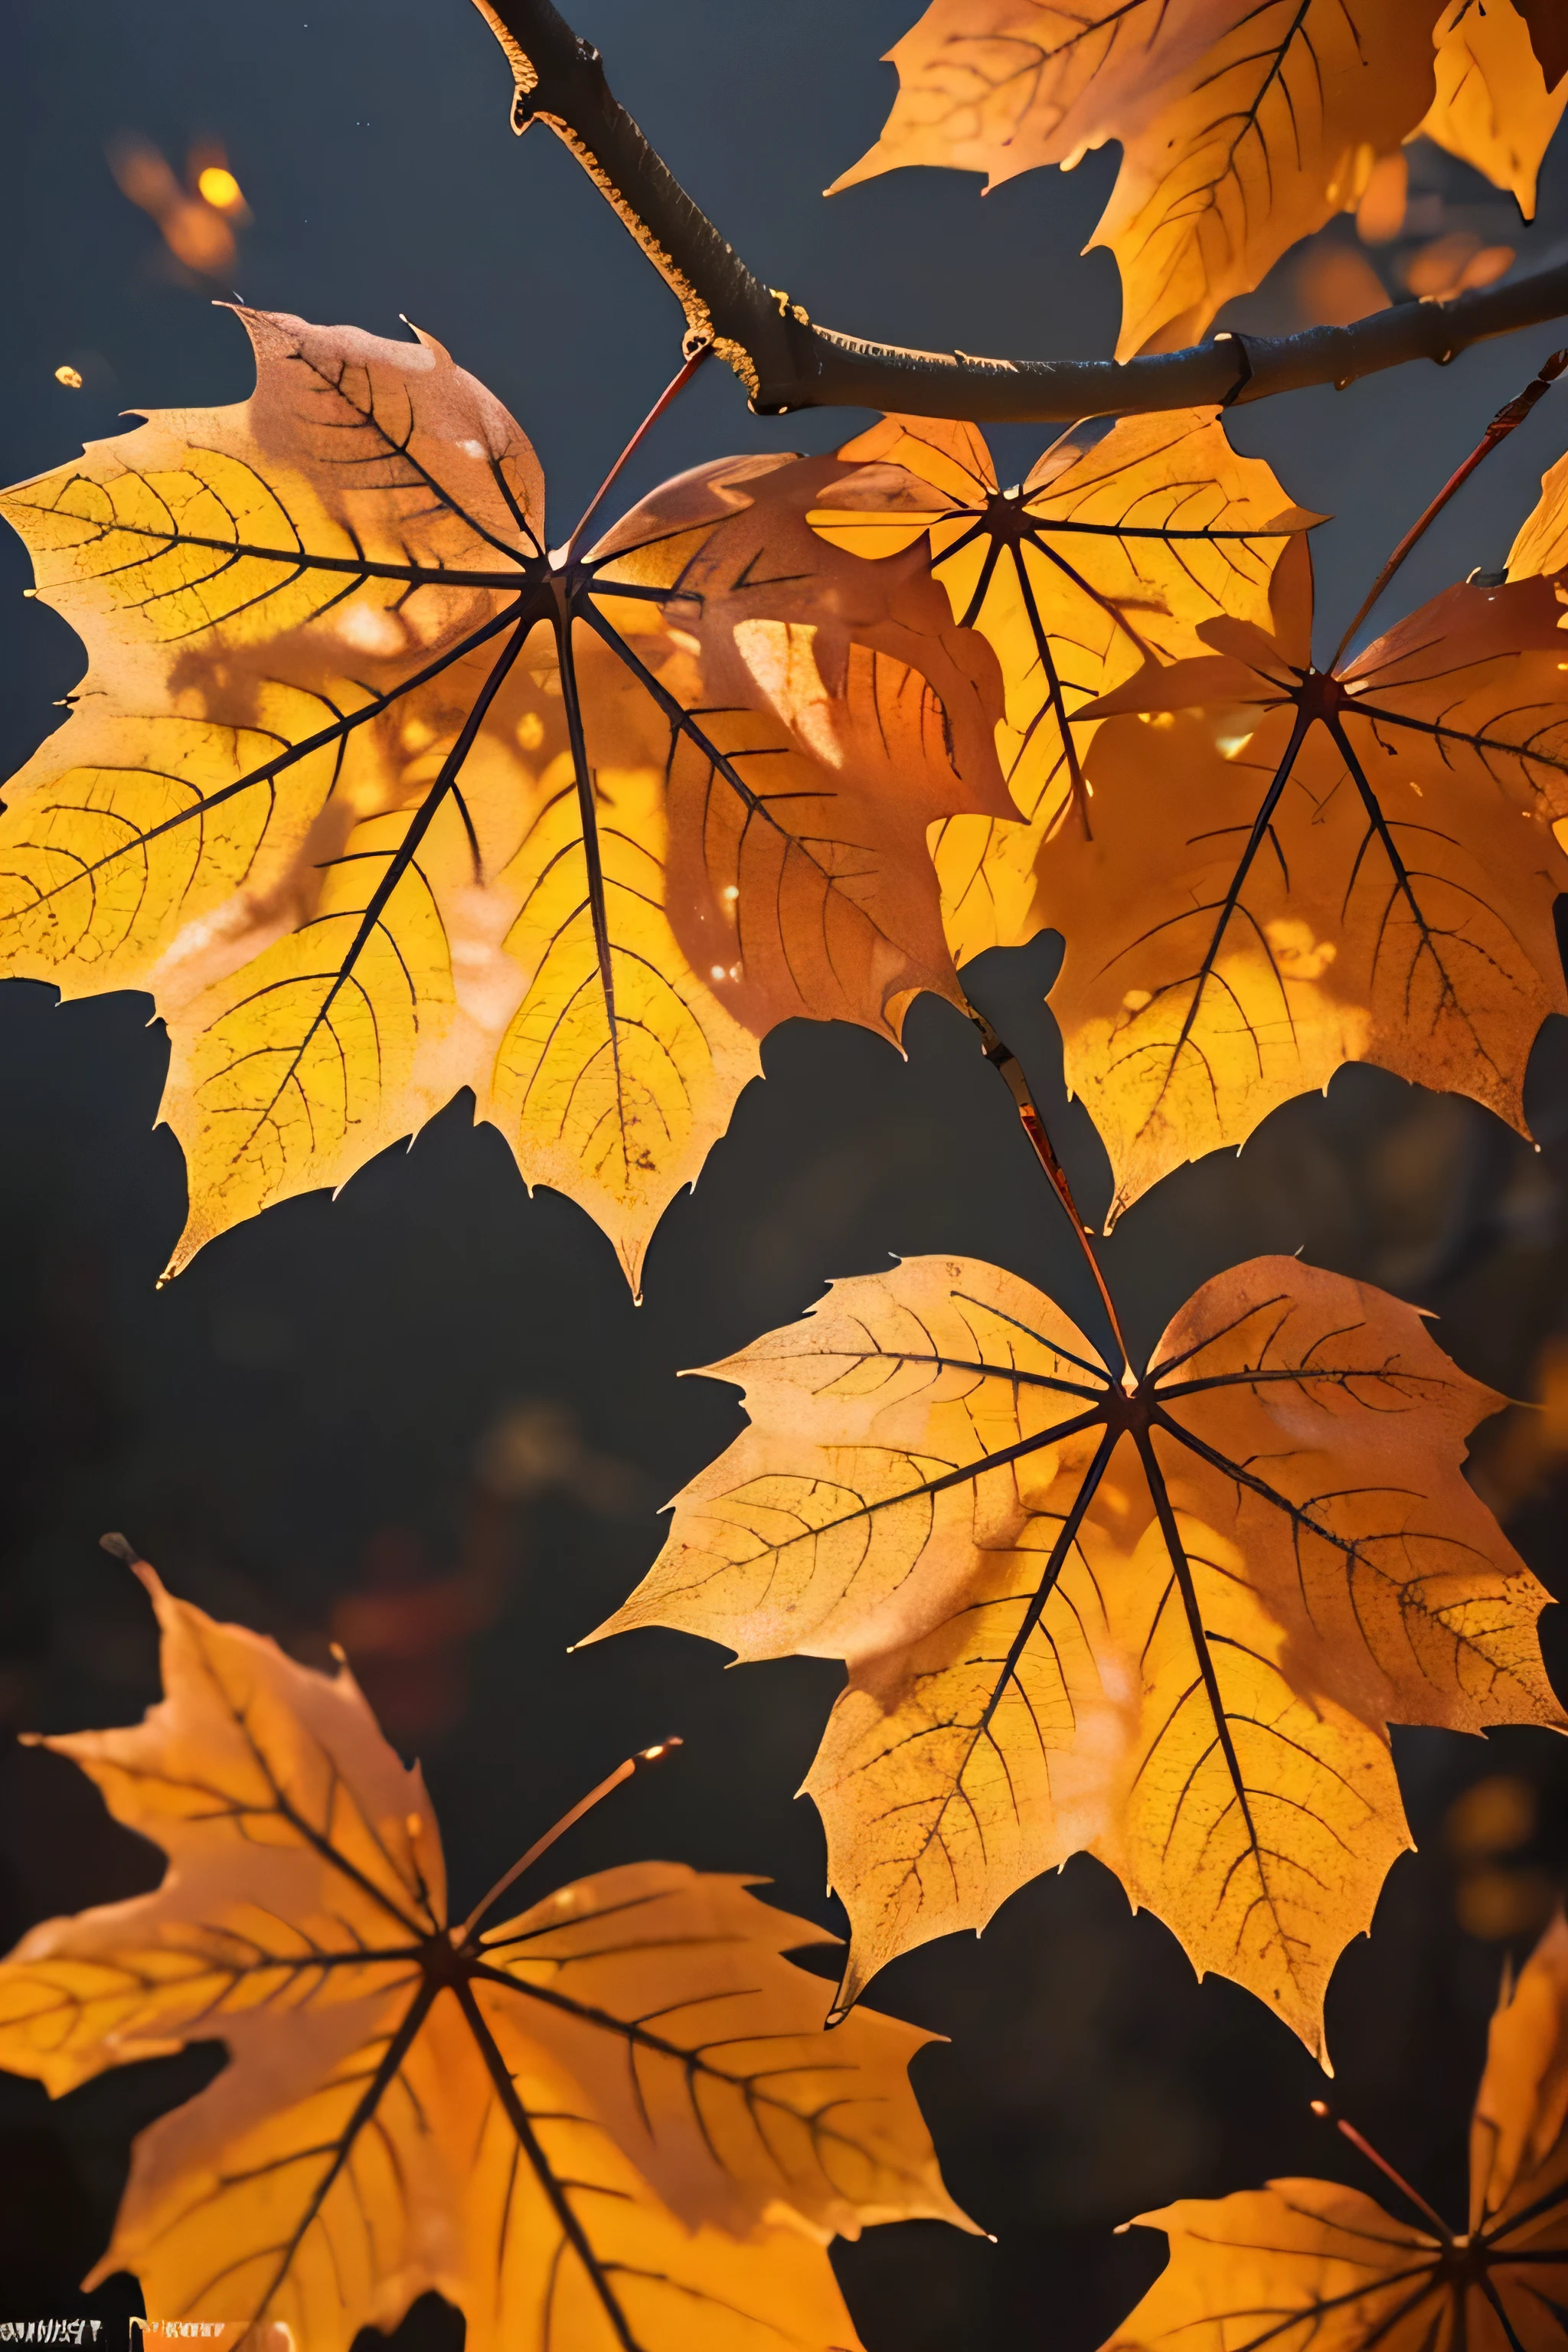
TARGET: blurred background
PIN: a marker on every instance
(426, 1421)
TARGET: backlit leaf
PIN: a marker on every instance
(1309, 2262)
(1493, 108)
(380, 800)
(612, 2124)
(1103, 556)
(1290, 871)
(1541, 546)
(1167, 1622)
(1244, 124)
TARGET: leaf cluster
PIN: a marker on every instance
(381, 795)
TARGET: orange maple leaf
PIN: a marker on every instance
(1166, 1619)
(1495, 107)
(1310, 2263)
(1292, 869)
(1105, 556)
(381, 797)
(612, 2124)
(1244, 124)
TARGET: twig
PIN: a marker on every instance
(786, 361)
(1512, 412)
(1034, 1127)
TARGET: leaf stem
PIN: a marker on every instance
(1363, 2147)
(786, 361)
(637, 1763)
(697, 347)
(1003, 1059)
(1511, 413)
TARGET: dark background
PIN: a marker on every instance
(428, 1419)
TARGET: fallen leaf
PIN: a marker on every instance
(611, 2124)
(379, 799)
(1493, 108)
(1167, 1622)
(1244, 124)
(1103, 556)
(1292, 870)
(1312, 2262)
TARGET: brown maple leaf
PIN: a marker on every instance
(612, 2124)
(1293, 869)
(1244, 124)
(1103, 557)
(1310, 2263)
(1165, 1619)
(381, 798)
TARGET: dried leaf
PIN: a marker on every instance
(1493, 108)
(1290, 871)
(613, 2124)
(380, 801)
(1307, 2262)
(1103, 557)
(1167, 1622)
(1244, 124)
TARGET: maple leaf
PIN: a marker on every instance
(1494, 109)
(1166, 1620)
(1102, 558)
(380, 799)
(1540, 548)
(1292, 869)
(1312, 2263)
(1244, 124)
(614, 2121)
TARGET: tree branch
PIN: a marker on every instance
(786, 361)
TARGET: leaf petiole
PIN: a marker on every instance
(697, 353)
(640, 1762)
(1003, 1059)
(1512, 412)
(1363, 2147)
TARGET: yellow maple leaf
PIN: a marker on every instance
(1166, 1620)
(1493, 108)
(1244, 124)
(612, 2124)
(1310, 2263)
(1540, 548)
(1103, 557)
(1293, 869)
(380, 798)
